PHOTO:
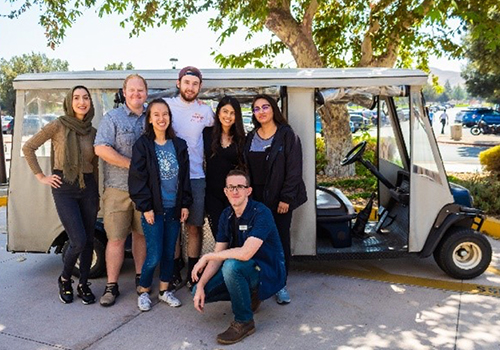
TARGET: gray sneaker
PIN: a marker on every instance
(143, 302)
(170, 299)
(110, 294)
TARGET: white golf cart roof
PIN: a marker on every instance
(221, 78)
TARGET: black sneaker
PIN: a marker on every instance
(110, 294)
(65, 290)
(83, 291)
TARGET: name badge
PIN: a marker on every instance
(243, 227)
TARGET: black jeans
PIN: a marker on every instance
(283, 222)
(214, 206)
(77, 209)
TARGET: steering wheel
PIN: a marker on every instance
(354, 154)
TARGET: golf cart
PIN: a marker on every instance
(419, 212)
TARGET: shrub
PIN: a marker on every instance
(321, 161)
(485, 189)
(490, 159)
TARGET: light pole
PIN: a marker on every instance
(173, 61)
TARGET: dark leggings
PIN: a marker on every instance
(283, 222)
(77, 210)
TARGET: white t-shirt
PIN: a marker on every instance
(188, 121)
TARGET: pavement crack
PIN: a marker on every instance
(458, 320)
(111, 331)
(55, 346)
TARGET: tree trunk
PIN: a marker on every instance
(299, 40)
(338, 138)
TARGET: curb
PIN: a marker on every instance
(491, 227)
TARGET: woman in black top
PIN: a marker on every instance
(273, 154)
(223, 145)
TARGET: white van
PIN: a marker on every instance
(420, 212)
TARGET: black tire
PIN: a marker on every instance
(98, 266)
(463, 253)
(475, 130)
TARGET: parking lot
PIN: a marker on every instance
(364, 304)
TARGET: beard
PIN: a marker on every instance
(188, 98)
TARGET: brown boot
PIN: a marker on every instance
(236, 332)
(255, 300)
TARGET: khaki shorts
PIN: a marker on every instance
(120, 216)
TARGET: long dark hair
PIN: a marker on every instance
(149, 130)
(277, 116)
(236, 131)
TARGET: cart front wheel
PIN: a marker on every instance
(463, 253)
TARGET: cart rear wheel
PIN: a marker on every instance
(98, 265)
(463, 253)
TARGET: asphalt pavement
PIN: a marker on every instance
(368, 304)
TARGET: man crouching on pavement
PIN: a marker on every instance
(248, 263)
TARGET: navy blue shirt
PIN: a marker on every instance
(257, 221)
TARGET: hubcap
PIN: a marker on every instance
(467, 255)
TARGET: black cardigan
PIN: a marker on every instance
(284, 181)
(144, 177)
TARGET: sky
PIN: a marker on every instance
(94, 42)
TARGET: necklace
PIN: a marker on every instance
(225, 140)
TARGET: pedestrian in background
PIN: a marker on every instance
(273, 154)
(74, 185)
(224, 144)
(160, 188)
(444, 120)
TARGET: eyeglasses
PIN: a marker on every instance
(236, 188)
(264, 108)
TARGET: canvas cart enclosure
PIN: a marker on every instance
(33, 224)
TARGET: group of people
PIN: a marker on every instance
(171, 162)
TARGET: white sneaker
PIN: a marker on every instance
(170, 299)
(143, 302)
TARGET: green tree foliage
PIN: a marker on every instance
(27, 63)
(458, 93)
(318, 33)
(482, 74)
(119, 66)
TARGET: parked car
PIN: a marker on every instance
(472, 116)
(247, 124)
(404, 114)
(47, 118)
(31, 124)
(359, 121)
(7, 124)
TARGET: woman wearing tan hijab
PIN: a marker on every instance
(74, 185)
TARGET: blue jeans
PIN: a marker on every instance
(160, 247)
(234, 281)
(77, 210)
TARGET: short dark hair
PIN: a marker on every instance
(238, 172)
(149, 130)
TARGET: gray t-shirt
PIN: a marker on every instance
(119, 128)
(169, 172)
(188, 121)
(259, 144)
